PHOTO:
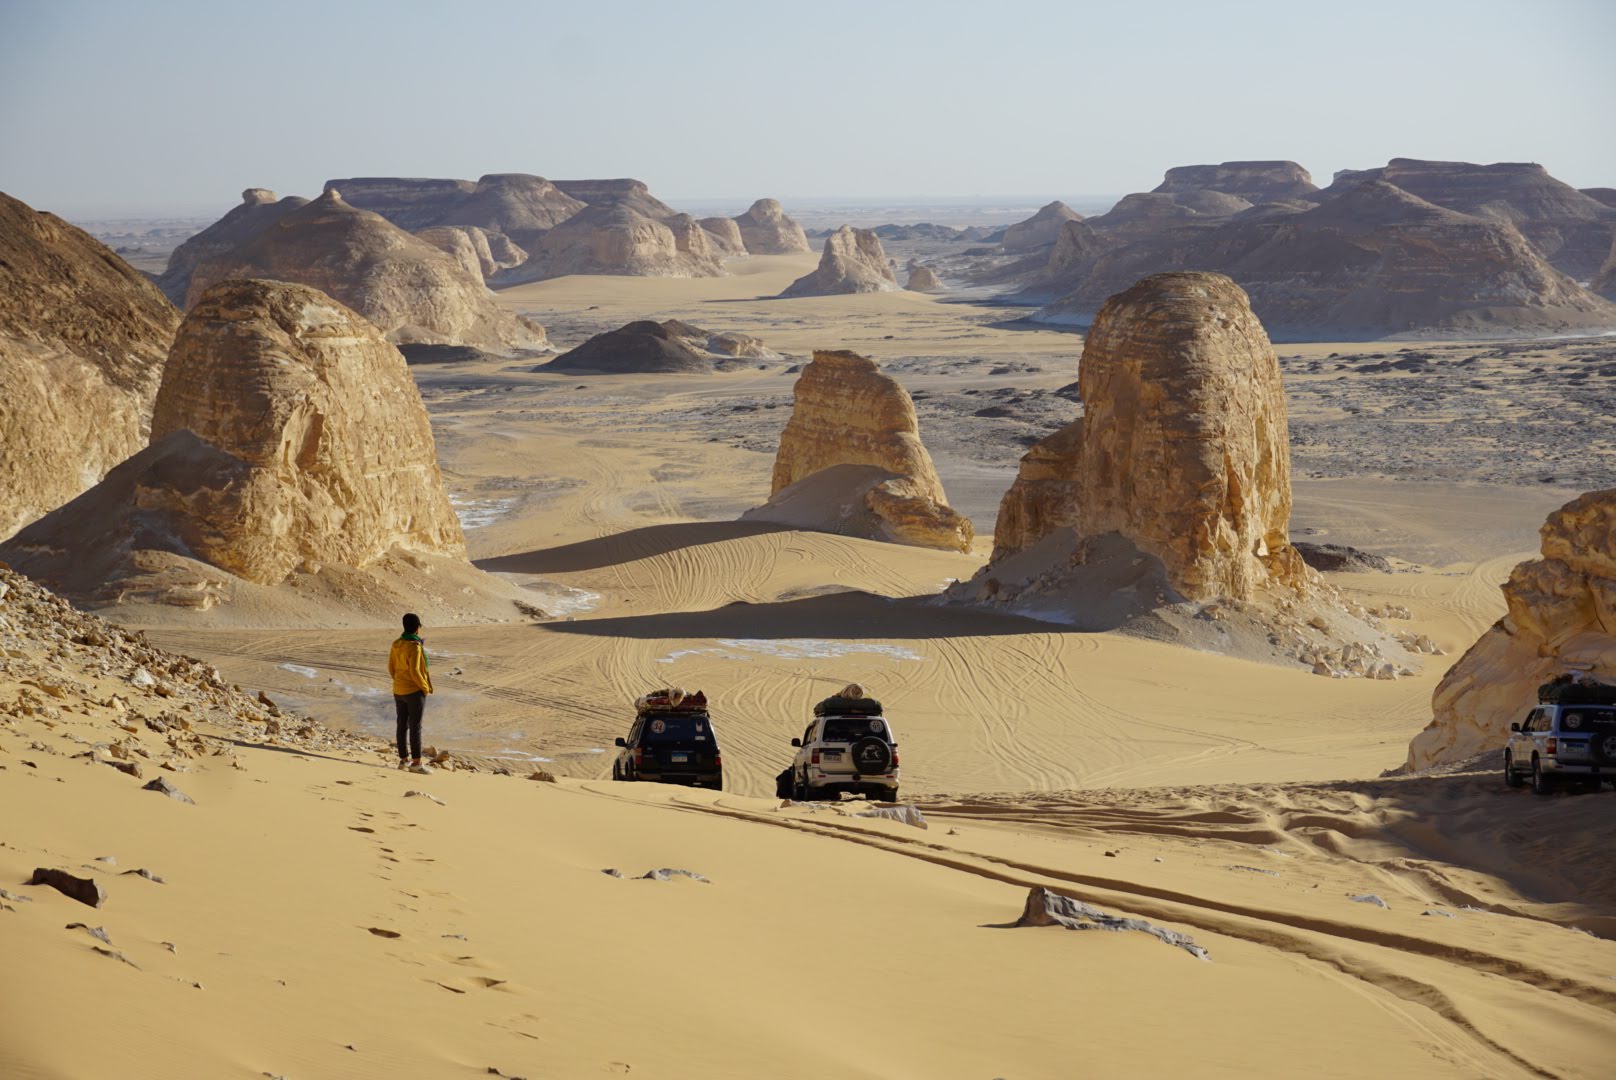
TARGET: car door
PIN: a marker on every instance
(1520, 742)
(625, 756)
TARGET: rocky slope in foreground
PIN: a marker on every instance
(82, 343)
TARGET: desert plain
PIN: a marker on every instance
(323, 915)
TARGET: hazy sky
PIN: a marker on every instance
(176, 106)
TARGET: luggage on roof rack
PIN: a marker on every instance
(671, 700)
(1569, 690)
(837, 705)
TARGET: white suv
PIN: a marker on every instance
(849, 747)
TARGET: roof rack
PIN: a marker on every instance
(848, 706)
(671, 700)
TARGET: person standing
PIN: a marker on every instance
(412, 682)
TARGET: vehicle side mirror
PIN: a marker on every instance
(622, 742)
(1514, 727)
(796, 742)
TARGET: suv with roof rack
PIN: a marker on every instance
(1561, 743)
(672, 741)
(848, 747)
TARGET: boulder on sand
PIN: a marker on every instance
(766, 230)
(1561, 619)
(922, 279)
(853, 262)
(851, 460)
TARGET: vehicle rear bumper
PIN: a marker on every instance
(1577, 768)
(850, 782)
(703, 779)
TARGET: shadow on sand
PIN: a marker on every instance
(624, 547)
(840, 616)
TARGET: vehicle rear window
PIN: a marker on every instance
(852, 728)
(1586, 719)
(677, 727)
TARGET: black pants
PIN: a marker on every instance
(410, 707)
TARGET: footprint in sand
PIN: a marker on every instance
(379, 932)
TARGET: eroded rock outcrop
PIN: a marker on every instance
(724, 235)
(415, 292)
(289, 447)
(1569, 228)
(851, 461)
(1184, 439)
(1039, 231)
(853, 262)
(647, 347)
(1369, 261)
(616, 237)
(82, 343)
(1605, 284)
(485, 253)
(922, 279)
(767, 230)
(258, 210)
(518, 205)
(1561, 619)
(1165, 509)
(1254, 181)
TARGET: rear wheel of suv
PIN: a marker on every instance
(1511, 777)
(799, 788)
(1541, 784)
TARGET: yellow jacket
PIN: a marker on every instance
(407, 664)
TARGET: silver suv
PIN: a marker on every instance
(1558, 744)
(849, 747)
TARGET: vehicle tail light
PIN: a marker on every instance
(1550, 745)
(718, 761)
(815, 759)
(639, 756)
(894, 758)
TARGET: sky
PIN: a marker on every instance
(174, 107)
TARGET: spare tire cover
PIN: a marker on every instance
(872, 755)
(1604, 747)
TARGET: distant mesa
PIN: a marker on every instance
(1561, 619)
(851, 461)
(925, 230)
(922, 279)
(1254, 181)
(1601, 194)
(1039, 231)
(1165, 509)
(1364, 260)
(258, 210)
(82, 343)
(1572, 230)
(853, 262)
(413, 291)
(767, 230)
(289, 447)
(518, 205)
(724, 234)
(647, 347)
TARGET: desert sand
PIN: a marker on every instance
(323, 922)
